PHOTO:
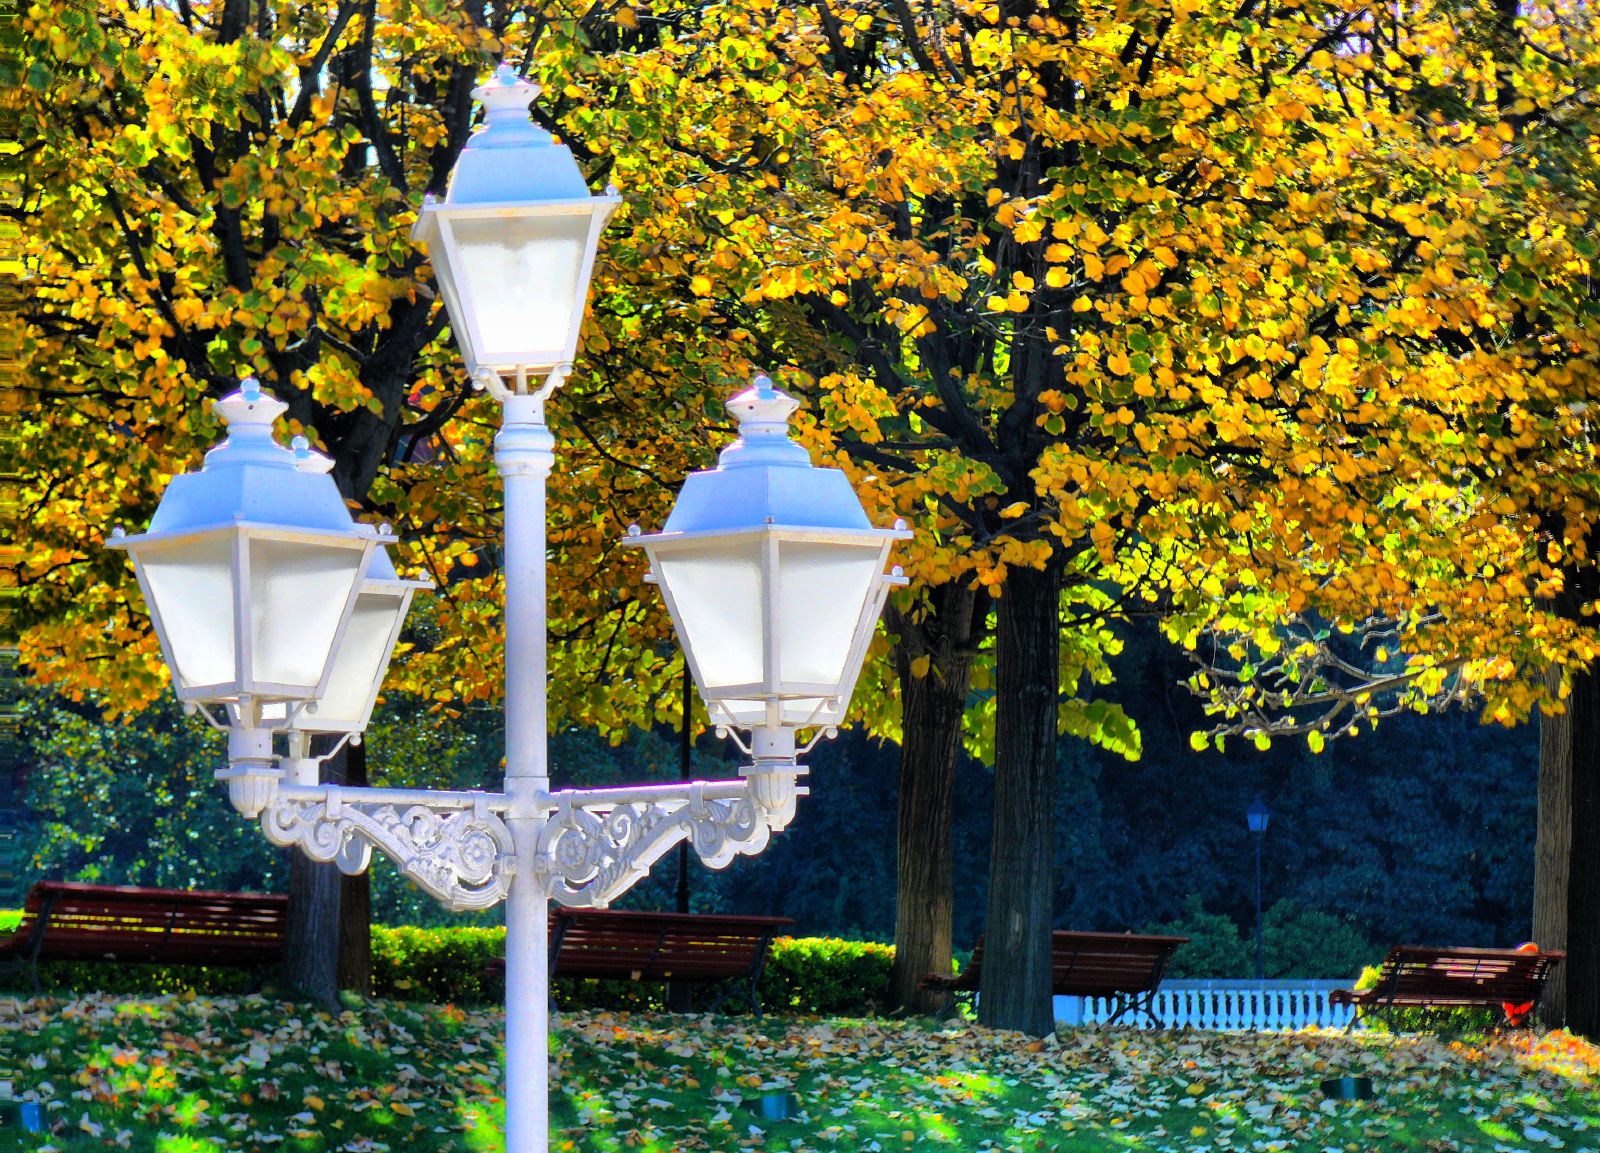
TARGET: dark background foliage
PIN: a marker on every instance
(1421, 831)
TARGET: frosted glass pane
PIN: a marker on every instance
(716, 592)
(796, 712)
(358, 665)
(191, 586)
(519, 277)
(822, 592)
(298, 592)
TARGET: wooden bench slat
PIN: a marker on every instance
(1453, 977)
(1122, 966)
(75, 921)
(612, 944)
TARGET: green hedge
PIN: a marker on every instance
(802, 975)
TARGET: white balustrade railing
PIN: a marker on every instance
(1283, 1004)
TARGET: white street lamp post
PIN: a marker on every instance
(277, 613)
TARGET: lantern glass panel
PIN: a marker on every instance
(298, 594)
(191, 591)
(716, 588)
(521, 277)
(823, 589)
(795, 711)
(360, 663)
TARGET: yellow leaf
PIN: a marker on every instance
(920, 666)
(1057, 278)
(626, 18)
(700, 286)
(402, 1108)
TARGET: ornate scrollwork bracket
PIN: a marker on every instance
(456, 848)
(594, 847)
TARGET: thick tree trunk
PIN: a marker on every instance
(932, 706)
(1583, 870)
(1014, 988)
(311, 948)
(355, 901)
(1552, 856)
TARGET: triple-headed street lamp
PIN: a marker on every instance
(277, 613)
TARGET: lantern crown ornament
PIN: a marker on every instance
(774, 578)
(513, 241)
(251, 566)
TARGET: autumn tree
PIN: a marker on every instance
(1474, 580)
(1081, 295)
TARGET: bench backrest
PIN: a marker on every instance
(655, 946)
(1097, 964)
(1464, 976)
(90, 922)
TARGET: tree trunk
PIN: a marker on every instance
(932, 706)
(680, 994)
(311, 947)
(310, 964)
(1583, 868)
(1552, 856)
(1014, 987)
(355, 900)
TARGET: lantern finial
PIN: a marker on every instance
(763, 413)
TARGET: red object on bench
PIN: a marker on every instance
(67, 921)
(1441, 979)
(623, 945)
(1126, 968)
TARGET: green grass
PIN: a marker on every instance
(188, 1075)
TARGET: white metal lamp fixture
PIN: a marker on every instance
(251, 568)
(774, 579)
(273, 604)
(513, 241)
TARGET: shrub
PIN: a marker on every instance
(1296, 942)
(1214, 948)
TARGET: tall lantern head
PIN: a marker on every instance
(251, 568)
(362, 657)
(774, 578)
(513, 240)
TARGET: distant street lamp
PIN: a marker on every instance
(1257, 816)
(277, 613)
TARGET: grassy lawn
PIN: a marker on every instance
(186, 1075)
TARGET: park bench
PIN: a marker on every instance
(623, 945)
(1440, 980)
(1124, 968)
(65, 921)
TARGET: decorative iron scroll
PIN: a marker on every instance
(593, 852)
(463, 856)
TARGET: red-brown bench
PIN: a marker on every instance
(1122, 967)
(623, 945)
(1440, 980)
(66, 921)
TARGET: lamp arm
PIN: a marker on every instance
(452, 844)
(597, 843)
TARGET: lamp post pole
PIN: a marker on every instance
(1261, 969)
(524, 453)
(1257, 817)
